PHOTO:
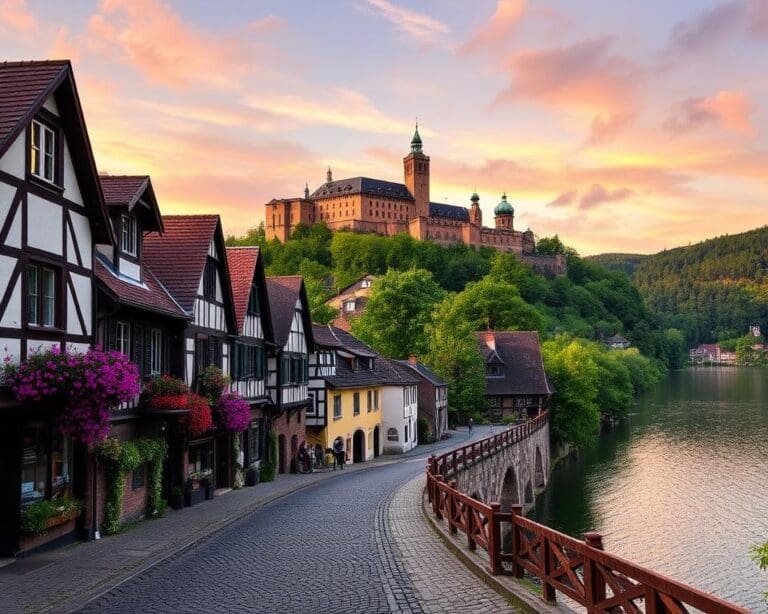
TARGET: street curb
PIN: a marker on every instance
(144, 567)
(519, 596)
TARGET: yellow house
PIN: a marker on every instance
(345, 395)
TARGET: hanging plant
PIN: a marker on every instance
(212, 383)
(199, 419)
(166, 392)
(233, 413)
(90, 386)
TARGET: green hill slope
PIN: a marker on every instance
(626, 263)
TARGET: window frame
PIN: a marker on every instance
(129, 233)
(40, 151)
(254, 301)
(36, 305)
(356, 404)
(123, 343)
(156, 351)
(209, 279)
(337, 407)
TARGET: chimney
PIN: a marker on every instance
(490, 340)
(412, 360)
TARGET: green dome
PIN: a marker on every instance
(474, 197)
(504, 208)
(416, 143)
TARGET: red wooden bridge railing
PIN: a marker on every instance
(580, 570)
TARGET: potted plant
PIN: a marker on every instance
(206, 484)
(194, 493)
(252, 475)
(43, 515)
(176, 500)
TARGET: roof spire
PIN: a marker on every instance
(416, 140)
(329, 175)
(306, 191)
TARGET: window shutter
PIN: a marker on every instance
(111, 334)
(137, 350)
(200, 354)
(236, 351)
(148, 350)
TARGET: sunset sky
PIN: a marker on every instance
(622, 126)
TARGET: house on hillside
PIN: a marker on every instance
(705, 352)
(350, 302)
(52, 214)
(288, 365)
(432, 397)
(617, 342)
(516, 384)
(249, 352)
(346, 395)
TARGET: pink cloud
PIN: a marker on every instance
(419, 26)
(732, 110)
(599, 195)
(16, 18)
(564, 199)
(496, 32)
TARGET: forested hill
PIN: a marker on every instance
(712, 290)
(626, 263)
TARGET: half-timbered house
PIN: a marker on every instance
(345, 395)
(433, 397)
(400, 405)
(249, 352)
(190, 261)
(52, 212)
(288, 365)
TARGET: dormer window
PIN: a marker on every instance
(253, 301)
(129, 235)
(42, 152)
(349, 306)
(366, 283)
(494, 371)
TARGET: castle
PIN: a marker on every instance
(388, 208)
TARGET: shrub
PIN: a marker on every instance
(34, 517)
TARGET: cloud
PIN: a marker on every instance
(336, 106)
(151, 37)
(495, 33)
(419, 26)
(16, 18)
(564, 199)
(599, 195)
(605, 126)
(732, 110)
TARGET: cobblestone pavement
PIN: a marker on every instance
(352, 543)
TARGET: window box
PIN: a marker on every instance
(55, 521)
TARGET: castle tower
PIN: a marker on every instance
(475, 213)
(504, 214)
(416, 169)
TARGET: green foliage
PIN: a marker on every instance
(35, 516)
(397, 312)
(759, 554)
(626, 263)
(269, 464)
(425, 434)
(121, 457)
(550, 246)
(213, 381)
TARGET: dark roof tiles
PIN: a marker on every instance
(335, 337)
(283, 292)
(426, 373)
(520, 352)
(452, 212)
(123, 190)
(363, 185)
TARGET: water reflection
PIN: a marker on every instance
(680, 485)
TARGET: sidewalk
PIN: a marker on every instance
(63, 579)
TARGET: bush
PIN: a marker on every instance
(34, 517)
(425, 434)
(269, 465)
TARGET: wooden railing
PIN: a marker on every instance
(580, 570)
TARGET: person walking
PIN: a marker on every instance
(470, 423)
(338, 450)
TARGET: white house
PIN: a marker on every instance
(400, 400)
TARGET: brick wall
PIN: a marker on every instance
(134, 501)
(288, 424)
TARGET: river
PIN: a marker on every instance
(681, 486)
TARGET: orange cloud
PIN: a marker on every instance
(16, 18)
(495, 33)
(730, 109)
(419, 26)
(166, 50)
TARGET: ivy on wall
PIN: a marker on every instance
(269, 465)
(121, 457)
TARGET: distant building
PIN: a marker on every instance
(711, 353)
(433, 397)
(515, 382)
(351, 301)
(389, 208)
(617, 342)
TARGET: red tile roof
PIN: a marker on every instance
(152, 297)
(178, 257)
(242, 263)
(24, 86)
(123, 190)
(520, 352)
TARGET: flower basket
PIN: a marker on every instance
(55, 521)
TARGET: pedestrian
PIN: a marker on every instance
(338, 450)
(330, 458)
(470, 422)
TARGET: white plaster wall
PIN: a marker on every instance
(82, 286)
(130, 269)
(14, 160)
(10, 348)
(51, 105)
(35, 346)
(392, 417)
(7, 192)
(105, 250)
(71, 186)
(219, 292)
(44, 221)
(80, 348)
(83, 237)
(12, 315)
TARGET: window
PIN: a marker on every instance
(137, 477)
(349, 306)
(405, 437)
(209, 280)
(156, 351)
(370, 400)
(356, 404)
(494, 371)
(129, 235)
(392, 435)
(253, 301)
(42, 286)
(366, 283)
(248, 361)
(207, 352)
(42, 154)
(336, 406)
(255, 441)
(375, 399)
(123, 338)
(201, 458)
(45, 452)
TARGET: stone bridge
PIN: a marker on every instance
(510, 470)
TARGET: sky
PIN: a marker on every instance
(620, 126)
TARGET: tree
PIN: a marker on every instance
(399, 308)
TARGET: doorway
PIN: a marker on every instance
(376, 444)
(223, 457)
(281, 454)
(358, 447)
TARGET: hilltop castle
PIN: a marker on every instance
(388, 208)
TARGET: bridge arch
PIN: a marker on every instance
(528, 493)
(539, 481)
(510, 492)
